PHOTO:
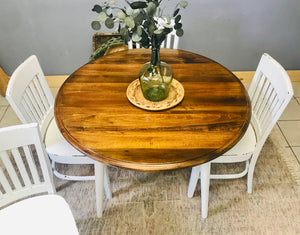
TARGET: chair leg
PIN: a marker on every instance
(250, 174)
(205, 180)
(195, 176)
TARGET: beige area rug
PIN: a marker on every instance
(157, 203)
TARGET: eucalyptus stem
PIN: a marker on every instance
(155, 55)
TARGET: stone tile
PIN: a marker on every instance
(279, 136)
(2, 111)
(291, 131)
(9, 118)
(292, 111)
(296, 151)
(296, 87)
(3, 100)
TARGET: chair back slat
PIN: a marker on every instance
(168, 41)
(32, 165)
(24, 107)
(261, 101)
(267, 100)
(44, 101)
(24, 165)
(270, 92)
(266, 113)
(130, 44)
(255, 91)
(176, 41)
(41, 99)
(4, 184)
(45, 89)
(36, 101)
(32, 105)
(11, 173)
(20, 166)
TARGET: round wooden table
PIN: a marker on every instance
(94, 115)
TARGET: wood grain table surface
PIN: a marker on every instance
(95, 116)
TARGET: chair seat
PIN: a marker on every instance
(56, 145)
(243, 149)
(46, 214)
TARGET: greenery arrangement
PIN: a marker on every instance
(142, 22)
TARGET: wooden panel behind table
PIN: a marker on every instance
(4, 79)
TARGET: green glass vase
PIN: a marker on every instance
(155, 77)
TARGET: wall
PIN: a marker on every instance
(233, 32)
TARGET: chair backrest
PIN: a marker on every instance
(24, 165)
(270, 92)
(29, 94)
(171, 41)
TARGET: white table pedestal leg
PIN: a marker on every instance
(99, 186)
(205, 178)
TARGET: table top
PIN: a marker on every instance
(95, 116)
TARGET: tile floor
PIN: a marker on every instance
(288, 127)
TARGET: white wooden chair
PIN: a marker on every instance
(30, 97)
(25, 171)
(270, 92)
(171, 41)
